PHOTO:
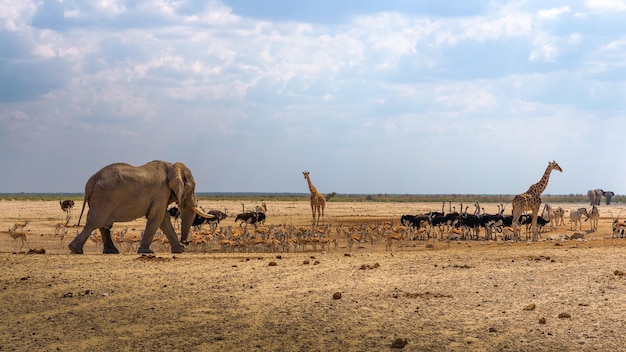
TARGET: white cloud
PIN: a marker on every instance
(553, 13)
(574, 39)
(615, 45)
(44, 51)
(483, 28)
(606, 5)
(16, 14)
(214, 14)
(71, 14)
(115, 7)
(543, 49)
(465, 97)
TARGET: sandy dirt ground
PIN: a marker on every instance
(557, 294)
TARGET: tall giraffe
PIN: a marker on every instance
(531, 200)
(318, 202)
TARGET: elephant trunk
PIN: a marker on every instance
(187, 216)
(186, 219)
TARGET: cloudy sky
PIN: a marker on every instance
(470, 97)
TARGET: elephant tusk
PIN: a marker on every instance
(201, 213)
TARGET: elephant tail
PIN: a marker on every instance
(82, 210)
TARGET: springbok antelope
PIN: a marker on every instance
(20, 225)
(21, 235)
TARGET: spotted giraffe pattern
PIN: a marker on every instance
(318, 202)
(531, 200)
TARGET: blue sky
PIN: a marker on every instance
(369, 96)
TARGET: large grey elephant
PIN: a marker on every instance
(607, 196)
(121, 192)
(595, 196)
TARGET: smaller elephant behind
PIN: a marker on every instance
(595, 196)
(607, 196)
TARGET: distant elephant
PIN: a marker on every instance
(608, 195)
(595, 196)
(121, 192)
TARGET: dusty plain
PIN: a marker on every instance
(476, 295)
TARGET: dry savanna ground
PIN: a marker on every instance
(557, 294)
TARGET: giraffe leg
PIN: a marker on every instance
(317, 214)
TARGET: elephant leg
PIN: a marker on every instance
(170, 233)
(107, 242)
(155, 217)
(146, 239)
(76, 246)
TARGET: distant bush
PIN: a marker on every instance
(41, 196)
(337, 197)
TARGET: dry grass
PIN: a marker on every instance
(476, 295)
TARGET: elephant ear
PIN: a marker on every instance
(180, 182)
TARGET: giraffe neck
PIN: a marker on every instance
(311, 187)
(540, 186)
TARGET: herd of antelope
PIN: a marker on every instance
(434, 225)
